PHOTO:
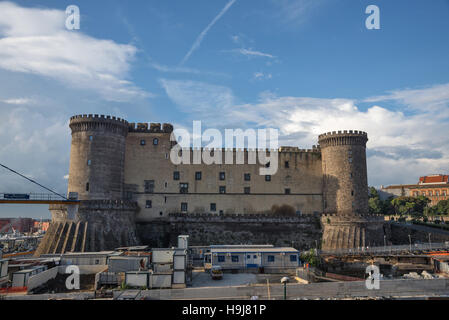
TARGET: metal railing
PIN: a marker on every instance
(424, 247)
(31, 196)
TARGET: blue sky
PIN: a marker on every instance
(301, 66)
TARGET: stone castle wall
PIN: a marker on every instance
(301, 232)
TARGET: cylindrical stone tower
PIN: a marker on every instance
(97, 157)
(103, 220)
(346, 219)
(344, 171)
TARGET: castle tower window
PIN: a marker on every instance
(166, 156)
(247, 190)
(183, 207)
(142, 142)
(149, 186)
(268, 178)
(198, 175)
(222, 189)
(350, 160)
(176, 175)
(91, 138)
(87, 186)
(247, 177)
(430, 193)
(89, 162)
(287, 191)
(222, 176)
(437, 193)
(155, 141)
(352, 192)
(267, 165)
(213, 207)
(148, 204)
(183, 188)
(287, 164)
(166, 185)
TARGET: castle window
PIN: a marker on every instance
(148, 204)
(87, 186)
(166, 185)
(350, 160)
(89, 162)
(287, 191)
(268, 178)
(183, 207)
(430, 193)
(222, 176)
(166, 156)
(91, 138)
(247, 190)
(198, 175)
(222, 189)
(155, 141)
(247, 177)
(267, 165)
(165, 199)
(142, 142)
(149, 186)
(437, 193)
(161, 213)
(213, 207)
(183, 188)
(444, 192)
(176, 175)
(352, 193)
(287, 165)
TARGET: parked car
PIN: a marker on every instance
(216, 273)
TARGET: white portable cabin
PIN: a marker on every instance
(250, 258)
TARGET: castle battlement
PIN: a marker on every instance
(150, 127)
(96, 117)
(342, 138)
(344, 132)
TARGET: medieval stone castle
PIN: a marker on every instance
(128, 186)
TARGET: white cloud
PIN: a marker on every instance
(262, 76)
(35, 41)
(401, 146)
(18, 101)
(200, 38)
(427, 99)
(194, 96)
(252, 53)
(296, 11)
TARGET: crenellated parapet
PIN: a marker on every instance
(341, 138)
(150, 128)
(97, 122)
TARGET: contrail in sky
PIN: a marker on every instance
(200, 38)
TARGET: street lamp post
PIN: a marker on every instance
(410, 241)
(284, 281)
